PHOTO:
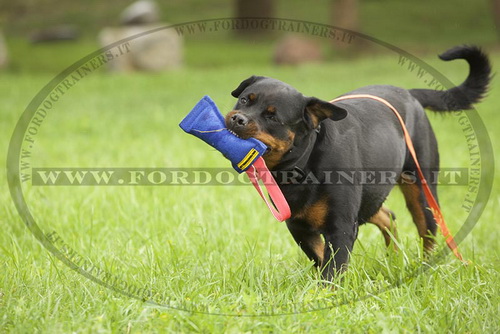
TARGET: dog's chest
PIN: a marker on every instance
(314, 214)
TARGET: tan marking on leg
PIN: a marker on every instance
(318, 245)
(382, 219)
(411, 192)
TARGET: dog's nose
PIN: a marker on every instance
(239, 120)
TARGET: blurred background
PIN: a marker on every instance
(61, 32)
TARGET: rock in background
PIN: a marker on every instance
(156, 51)
(140, 12)
(55, 34)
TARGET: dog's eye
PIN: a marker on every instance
(272, 118)
(243, 100)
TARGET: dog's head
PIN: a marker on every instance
(276, 114)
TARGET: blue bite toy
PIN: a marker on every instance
(207, 123)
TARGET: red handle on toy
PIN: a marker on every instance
(259, 171)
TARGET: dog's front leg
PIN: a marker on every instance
(339, 242)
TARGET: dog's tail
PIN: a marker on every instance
(469, 92)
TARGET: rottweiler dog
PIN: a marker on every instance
(312, 139)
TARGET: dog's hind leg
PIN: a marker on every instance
(385, 220)
(427, 152)
(417, 205)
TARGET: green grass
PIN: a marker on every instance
(213, 248)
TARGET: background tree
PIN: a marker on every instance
(495, 6)
(345, 14)
(254, 8)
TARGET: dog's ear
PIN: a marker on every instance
(244, 84)
(317, 110)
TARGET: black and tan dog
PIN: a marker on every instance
(311, 137)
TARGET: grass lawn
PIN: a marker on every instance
(216, 249)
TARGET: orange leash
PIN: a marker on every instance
(434, 207)
(278, 204)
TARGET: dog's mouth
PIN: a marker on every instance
(257, 135)
(244, 131)
(234, 133)
(251, 130)
(276, 148)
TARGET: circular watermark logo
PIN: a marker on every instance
(25, 176)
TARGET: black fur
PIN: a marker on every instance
(472, 90)
(310, 136)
